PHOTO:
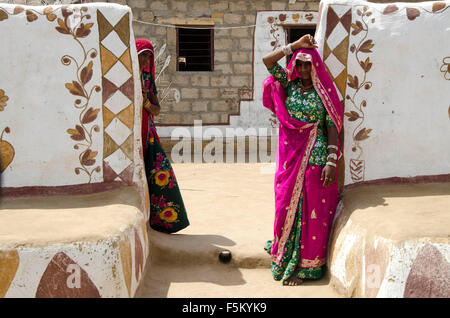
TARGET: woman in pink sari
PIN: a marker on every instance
(305, 101)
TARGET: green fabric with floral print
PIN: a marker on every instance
(289, 262)
(149, 84)
(308, 109)
(167, 211)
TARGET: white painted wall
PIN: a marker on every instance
(408, 104)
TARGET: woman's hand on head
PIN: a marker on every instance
(305, 42)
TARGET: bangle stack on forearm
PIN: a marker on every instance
(332, 156)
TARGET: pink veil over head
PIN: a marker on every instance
(323, 84)
(145, 45)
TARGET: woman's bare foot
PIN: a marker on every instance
(293, 281)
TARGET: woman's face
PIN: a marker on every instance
(145, 58)
(304, 69)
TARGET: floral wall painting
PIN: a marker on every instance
(445, 67)
(368, 49)
(80, 87)
(362, 46)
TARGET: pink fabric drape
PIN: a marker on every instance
(293, 175)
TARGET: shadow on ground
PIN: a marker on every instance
(181, 258)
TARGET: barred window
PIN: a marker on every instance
(195, 49)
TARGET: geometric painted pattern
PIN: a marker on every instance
(335, 52)
(118, 97)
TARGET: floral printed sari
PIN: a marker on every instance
(167, 211)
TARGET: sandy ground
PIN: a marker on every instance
(230, 207)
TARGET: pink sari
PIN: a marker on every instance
(294, 176)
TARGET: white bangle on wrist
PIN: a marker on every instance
(332, 147)
(287, 49)
(329, 163)
(332, 156)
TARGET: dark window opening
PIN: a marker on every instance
(295, 33)
(195, 50)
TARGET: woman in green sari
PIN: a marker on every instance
(167, 211)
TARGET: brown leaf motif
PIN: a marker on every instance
(48, 10)
(366, 46)
(86, 73)
(282, 17)
(366, 65)
(18, 10)
(75, 88)
(51, 17)
(83, 30)
(358, 27)
(3, 99)
(363, 134)
(88, 157)
(390, 9)
(438, 6)
(90, 115)
(353, 81)
(63, 28)
(3, 15)
(412, 13)
(77, 133)
(352, 115)
(31, 16)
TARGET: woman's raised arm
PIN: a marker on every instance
(305, 42)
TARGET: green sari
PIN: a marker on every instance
(167, 211)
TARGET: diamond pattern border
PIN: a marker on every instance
(335, 53)
(118, 113)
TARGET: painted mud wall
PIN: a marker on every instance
(70, 126)
(393, 88)
(69, 114)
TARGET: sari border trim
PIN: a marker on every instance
(308, 263)
(337, 120)
(295, 197)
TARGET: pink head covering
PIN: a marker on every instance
(145, 45)
(322, 82)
